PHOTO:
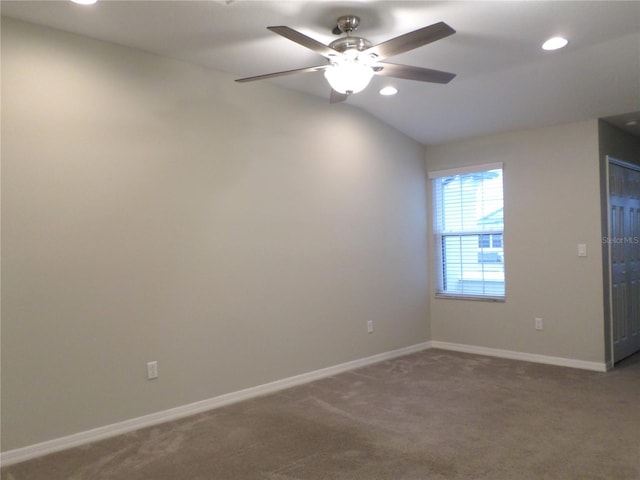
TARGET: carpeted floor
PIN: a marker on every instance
(431, 415)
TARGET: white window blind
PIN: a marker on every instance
(468, 229)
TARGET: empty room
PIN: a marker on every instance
(287, 240)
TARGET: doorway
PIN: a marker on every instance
(624, 256)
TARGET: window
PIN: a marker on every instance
(468, 232)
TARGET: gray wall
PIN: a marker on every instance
(153, 210)
(552, 203)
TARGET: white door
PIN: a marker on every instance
(624, 244)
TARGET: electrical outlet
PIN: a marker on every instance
(539, 324)
(152, 370)
(369, 326)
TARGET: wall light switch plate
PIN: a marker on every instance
(582, 249)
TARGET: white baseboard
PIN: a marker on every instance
(527, 357)
(18, 455)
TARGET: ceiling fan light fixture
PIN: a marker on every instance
(348, 77)
(352, 61)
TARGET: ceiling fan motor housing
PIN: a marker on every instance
(350, 43)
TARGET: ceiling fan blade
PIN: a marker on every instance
(337, 97)
(411, 40)
(302, 39)
(282, 74)
(413, 73)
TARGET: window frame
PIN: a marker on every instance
(438, 236)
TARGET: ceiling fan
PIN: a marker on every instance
(352, 61)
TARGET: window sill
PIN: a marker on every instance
(470, 297)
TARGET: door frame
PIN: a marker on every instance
(610, 160)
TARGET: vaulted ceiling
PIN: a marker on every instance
(505, 81)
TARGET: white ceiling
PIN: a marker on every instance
(505, 80)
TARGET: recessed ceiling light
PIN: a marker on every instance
(387, 91)
(555, 43)
(84, 2)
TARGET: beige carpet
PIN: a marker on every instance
(430, 415)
